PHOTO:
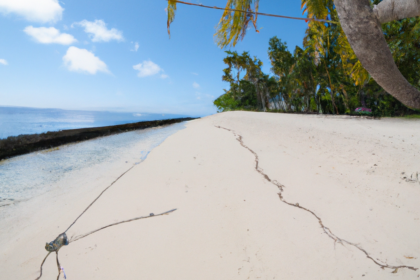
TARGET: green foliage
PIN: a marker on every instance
(316, 8)
(171, 14)
(403, 37)
(325, 75)
(234, 24)
(241, 96)
(243, 92)
(226, 102)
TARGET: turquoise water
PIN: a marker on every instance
(15, 121)
(26, 176)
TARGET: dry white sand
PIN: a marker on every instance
(231, 222)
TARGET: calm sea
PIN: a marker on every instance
(15, 121)
(74, 165)
(77, 165)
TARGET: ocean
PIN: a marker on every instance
(32, 175)
(27, 176)
(15, 121)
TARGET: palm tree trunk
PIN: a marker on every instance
(275, 104)
(263, 101)
(365, 35)
(363, 98)
(259, 105)
(346, 97)
(390, 10)
(261, 94)
(331, 90)
(267, 97)
(260, 97)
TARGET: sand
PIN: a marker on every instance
(349, 206)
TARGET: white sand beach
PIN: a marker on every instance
(348, 206)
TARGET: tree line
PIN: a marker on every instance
(324, 76)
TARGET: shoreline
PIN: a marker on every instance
(45, 170)
(270, 196)
(28, 143)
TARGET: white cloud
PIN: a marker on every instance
(33, 10)
(3, 61)
(136, 46)
(195, 85)
(194, 73)
(149, 68)
(49, 35)
(81, 60)
(99, 31)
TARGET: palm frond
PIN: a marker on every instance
(171, 14)
(316, 8)
(234, 24)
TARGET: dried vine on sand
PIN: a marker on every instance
(326, 230)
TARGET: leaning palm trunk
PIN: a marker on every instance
(390, 10)
(362, 26)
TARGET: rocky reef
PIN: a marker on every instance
(23, 144)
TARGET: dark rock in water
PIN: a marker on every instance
(24, 144)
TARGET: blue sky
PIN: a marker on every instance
(116, 55)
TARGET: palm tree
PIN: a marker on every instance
(361, 22)
(305, 76)
(282, 62)
(254, 75)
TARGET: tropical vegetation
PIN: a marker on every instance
(324, 76)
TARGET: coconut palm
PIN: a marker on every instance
(361, 21)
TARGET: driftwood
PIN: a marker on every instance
(62, 240)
